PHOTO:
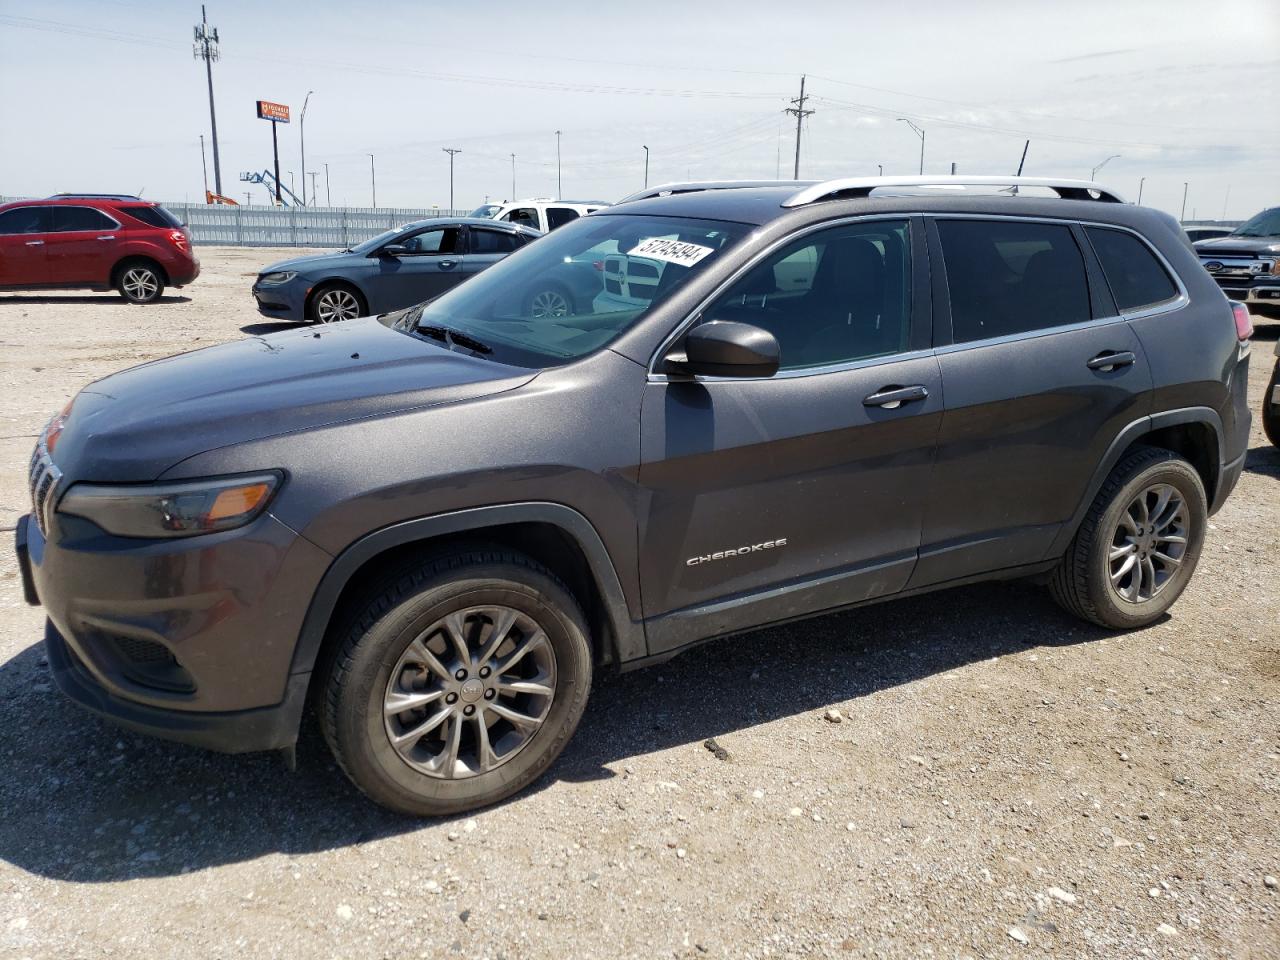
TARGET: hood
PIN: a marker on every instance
(1232, 245)
(134, 425)
(308, 262)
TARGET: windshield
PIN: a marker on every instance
(375, 242)
(1265, 224)
(573, 291)
(487, 211)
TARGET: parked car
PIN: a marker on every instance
(1246, 262)
(395, 269)
(539, 213)
(1196, 232)
(435, 525)
(94, 242)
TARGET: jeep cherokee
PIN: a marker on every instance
(435, 524)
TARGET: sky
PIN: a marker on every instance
(105, 95)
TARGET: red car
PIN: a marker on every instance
(95, 242)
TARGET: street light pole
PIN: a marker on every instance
(559, 188)
(513, 176)
(302, 140)
(328, 198)
(646, 166)
(451, 151)
(1141, 181)
(1182, 216)
(1094, 172)
(880, 167)
(373, 181)
(919, 133)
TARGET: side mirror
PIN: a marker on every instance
(723, 348)
(393, 250)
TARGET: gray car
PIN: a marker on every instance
(398, 268)
(436, 525)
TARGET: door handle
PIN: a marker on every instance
(448, 264)
(1109, 360)
(110, 236)
(890, 398)
(35, 243)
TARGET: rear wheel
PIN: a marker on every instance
(140, 282)
(335, 302)
(1271, 407)
(459, 684)
(551, 301)
(1138, 545)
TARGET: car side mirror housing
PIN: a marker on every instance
(393, 250)
(724, 348)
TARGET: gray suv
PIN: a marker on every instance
(434, 525)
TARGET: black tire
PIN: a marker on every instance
(140, 281)
(1081, 584)
(551, 299)
(399, 610)
(332, 302)
(1271, 408)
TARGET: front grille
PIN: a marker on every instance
(43, 478)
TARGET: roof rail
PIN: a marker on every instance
(694, 186)
(852, 187)
(94, 196)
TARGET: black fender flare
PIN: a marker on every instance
(1138, 428)
(628, 635)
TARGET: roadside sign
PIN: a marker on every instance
(275, 112)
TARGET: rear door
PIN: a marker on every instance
(772, 498)
(433, 262)
(24, 232)
(82, 245)
(485, 247)
(558, 216)
(1040, 375)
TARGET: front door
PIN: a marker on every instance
(432, 261)
(1040, 377)
(774, 498)
(82, 246)
(23, 233)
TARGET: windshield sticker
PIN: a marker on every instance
(670, 251)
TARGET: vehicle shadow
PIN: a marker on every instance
(91, 300)
(88, 803)
(268, 326)
(1263, 459)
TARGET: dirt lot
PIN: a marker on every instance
(1005, 781)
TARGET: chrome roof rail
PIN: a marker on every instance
(694, 186)
(853, 187)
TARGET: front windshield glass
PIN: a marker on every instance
(375, 242)
(1265, 224)
(571, 292)
(487, 211)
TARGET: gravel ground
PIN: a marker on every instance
(1001, 781)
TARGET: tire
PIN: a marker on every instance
(140, 281)
(379, 663)
(1082, 583)
(552, 300)
(1270, 408)
(333, 302)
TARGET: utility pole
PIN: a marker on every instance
(646, 166)
(328, 198)
(800, 113)
(559, 188)
(451, 151)
(919, 131)
(313, 174)
(204, 166)
(513, 176)
(373, 181)
(248, 198)
(206, 49)
(1224, 202)
(1141, 181)
(302, 140)
(1182, 216)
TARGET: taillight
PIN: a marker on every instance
(599, 265)
(1244, 325)
(179, 240)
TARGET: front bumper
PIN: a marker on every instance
(282, 301)
(1263, 290)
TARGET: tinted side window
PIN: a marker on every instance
(559, 216)
(834, 296)
(156, 216)
(1134, 274)
(492, 241)
(24, 220)
(67, 219)
(439, 240)
(1008, 277)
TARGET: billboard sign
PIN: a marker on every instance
(276, 112)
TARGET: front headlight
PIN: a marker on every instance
(185, 509)
(278, 277)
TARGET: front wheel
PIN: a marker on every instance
(1138, 545)
(331, 304)
(551, 302)
(1271, 407)
(459, 684)
(140, 283)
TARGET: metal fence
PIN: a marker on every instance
(267, 226)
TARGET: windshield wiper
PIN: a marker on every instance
(455, 338)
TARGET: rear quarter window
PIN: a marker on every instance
(154, 216)
(1137, 279)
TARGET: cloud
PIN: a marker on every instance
(1095, 56)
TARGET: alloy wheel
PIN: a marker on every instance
(335, 305)
(550, 303)
(470, 692)
(1148, 543)
(140, 283)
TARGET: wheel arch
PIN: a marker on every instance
(554, 535)
(1194, 433)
